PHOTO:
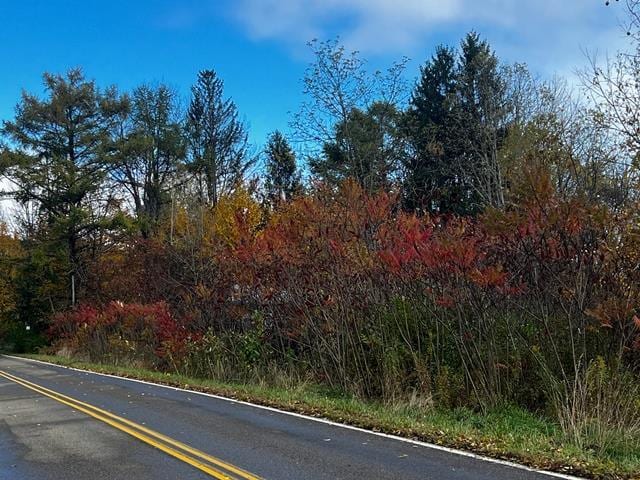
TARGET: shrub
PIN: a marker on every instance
(344, 289)
(145, 334)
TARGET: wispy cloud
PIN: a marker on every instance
(555, 28)
(370, 25)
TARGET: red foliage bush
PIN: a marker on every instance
(132, 330)
(349, 284)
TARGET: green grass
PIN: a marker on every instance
(509, 433)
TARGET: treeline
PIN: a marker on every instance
(469, 241)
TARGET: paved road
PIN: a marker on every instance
(42, 438)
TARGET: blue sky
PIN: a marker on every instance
(258, 46)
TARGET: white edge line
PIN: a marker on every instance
(321, 420)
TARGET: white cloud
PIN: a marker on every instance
(366, 24)
(551, 30)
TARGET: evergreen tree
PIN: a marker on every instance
(429, 182)
(58, 163)
(480, 124)
(456, 123)
(366, 147)
(216, 137)
(283, 179)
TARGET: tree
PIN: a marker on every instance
(217, 139)
(334, 84)
(10, 254)
(613, 86)
(345, 109)
(366, 147)
(283, 178)
(457, 120)
(428, 179)
(561, 138)
(58, 163)
(480, 115)
(149, 152)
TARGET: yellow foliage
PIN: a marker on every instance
(233, 213)
(211, 226)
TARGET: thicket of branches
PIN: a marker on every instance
(472, 240)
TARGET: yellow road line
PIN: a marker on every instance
(140, 432)
(204, 456)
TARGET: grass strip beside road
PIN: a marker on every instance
(507, 433)
(210, 465)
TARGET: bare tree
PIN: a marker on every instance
(338, 89)
(613, 86)
(149, 150)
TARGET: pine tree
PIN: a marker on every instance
(283, 179)
(216, 137)
(429, 183)
(455, 124)
(59, 164)
(365, 147)
(480, 124)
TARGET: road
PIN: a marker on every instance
(63, 424)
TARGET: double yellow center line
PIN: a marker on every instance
(202, 461)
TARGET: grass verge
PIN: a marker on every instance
(508, 433)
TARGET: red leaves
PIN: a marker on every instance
(390, 261)
(150, 323)
(64, 325)
(451, 255)
(332, 251)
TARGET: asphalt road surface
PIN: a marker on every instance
(63, 424)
